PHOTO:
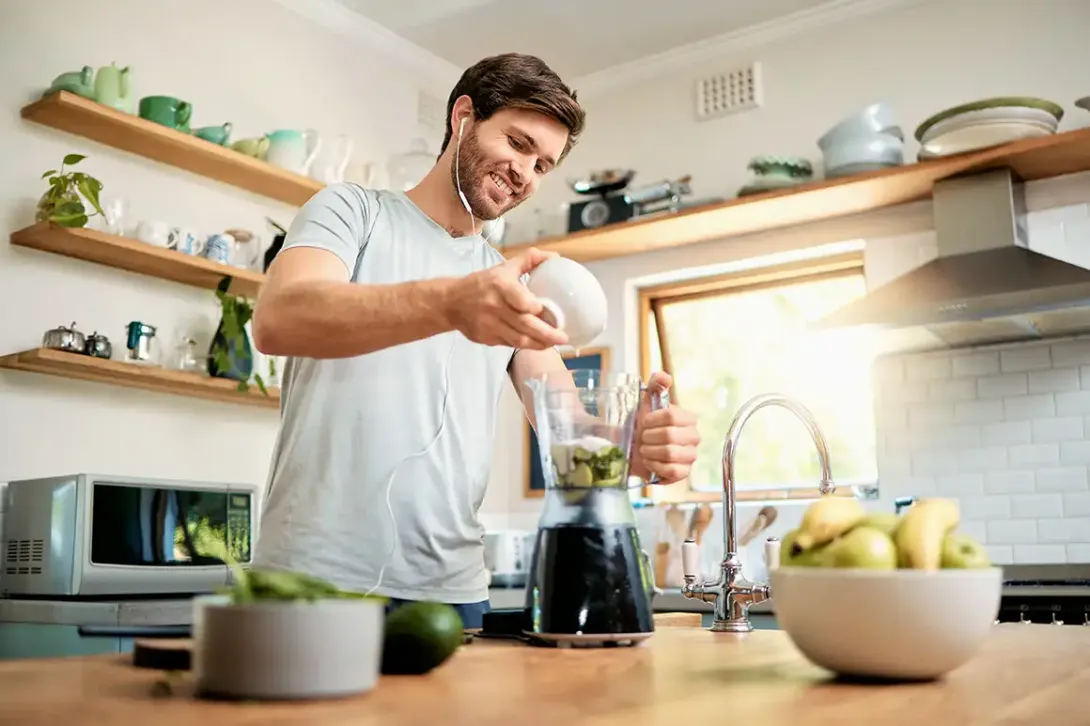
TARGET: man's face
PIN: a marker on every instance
(502, 160)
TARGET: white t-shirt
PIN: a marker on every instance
(346, 423)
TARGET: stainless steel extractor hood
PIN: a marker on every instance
(987, 284)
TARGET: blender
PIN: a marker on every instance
(590, 582)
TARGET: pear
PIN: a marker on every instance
(962, 552)
(865, 548)
(923, 528)
(885, 521)
(791, 555)
(826, 519)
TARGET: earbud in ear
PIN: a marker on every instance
(461, 127)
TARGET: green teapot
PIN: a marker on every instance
(112, 88)
(80, 83)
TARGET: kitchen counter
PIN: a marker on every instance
(1024, 674)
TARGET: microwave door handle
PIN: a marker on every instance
(134, 631)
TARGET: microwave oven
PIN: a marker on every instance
(95, 536)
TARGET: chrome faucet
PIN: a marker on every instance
(732, 593)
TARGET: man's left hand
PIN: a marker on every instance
(666, 440)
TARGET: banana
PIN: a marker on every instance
(919, 538)
(826, 519)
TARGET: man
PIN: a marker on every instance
(401, 323)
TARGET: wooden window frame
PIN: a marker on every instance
(653, 298)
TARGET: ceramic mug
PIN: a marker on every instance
(166, 110)
(572, 297)
(153, 233)
(185, 241)
(218, 248)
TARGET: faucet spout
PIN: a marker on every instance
(732, 593)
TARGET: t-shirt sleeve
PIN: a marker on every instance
(334, 219)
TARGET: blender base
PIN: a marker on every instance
(586, 640)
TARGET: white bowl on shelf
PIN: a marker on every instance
(286, 650)
(887, 624)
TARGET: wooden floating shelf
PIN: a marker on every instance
(136, 375)
(128, 132)
(1040, 158)
(136, 256)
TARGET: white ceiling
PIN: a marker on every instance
(575, 37)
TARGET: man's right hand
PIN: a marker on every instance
(493, 307)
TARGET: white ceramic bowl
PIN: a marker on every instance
(894, 624)
(286, 650)
(573, 299)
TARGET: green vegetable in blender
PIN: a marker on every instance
(262, 585)
(582, 467)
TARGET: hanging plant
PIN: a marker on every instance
(231, 355)
(61, 203)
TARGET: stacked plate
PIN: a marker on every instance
(776, 172)
(986, 123)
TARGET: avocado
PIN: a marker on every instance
(419, 637)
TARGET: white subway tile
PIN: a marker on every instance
(927, 368)
(930, 414)
(1002, 386)
(973, 528)
(1054, 430)
(977, 364)
(960, 437)
(1078, 553)
(1036, 506)
(1075, 452)
(891, 464)
(1076, 504)
(1071, 353)
(978, 412)
(1023, 408)
(1025, 359)
(954, 389)
(1054, 380)
(1039, 554)
(1012, 532)
(890, 417)
(938, 463)
(1034, 455)
(959, 485)
(906, 486)
(974, 507)
(1000, 554)
(1006, 433)
(888, 371)
(902, 393)
(1072, 403)
(1062, 479)
(1073, 530)
(990, 458)
(1008, 482)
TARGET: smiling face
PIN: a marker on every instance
(502, 160)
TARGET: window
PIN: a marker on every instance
(729, 338)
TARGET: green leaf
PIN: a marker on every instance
(243, 387)
(73, 159)
(91, 195)
(76, 221)
(260, 384)
(70, 209)
(51, 171)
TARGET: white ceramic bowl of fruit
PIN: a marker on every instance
(885, 596)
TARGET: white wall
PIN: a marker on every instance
(920, 59)
(250, 62)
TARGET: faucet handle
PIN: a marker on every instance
(690, 559)
(772, 553)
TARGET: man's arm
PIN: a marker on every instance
(534, 364)
(309, 306)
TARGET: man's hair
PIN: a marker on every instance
(514, 80)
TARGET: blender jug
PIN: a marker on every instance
(590, 581)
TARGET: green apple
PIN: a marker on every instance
(863, 548)
(884, 521)
(962, 552)
(792, 555)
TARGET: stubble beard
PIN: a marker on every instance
(472, 170)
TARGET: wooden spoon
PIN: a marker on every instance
(761, 522)
(702, 517)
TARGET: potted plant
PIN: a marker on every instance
(62, 203)
(231, 355)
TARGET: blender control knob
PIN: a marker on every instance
(690, 559)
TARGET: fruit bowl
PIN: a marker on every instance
(885, 596)
(889, 624)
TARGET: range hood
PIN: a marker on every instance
(987, 284)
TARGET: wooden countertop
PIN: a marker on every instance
(1025, 674)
